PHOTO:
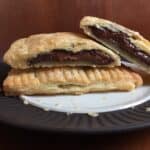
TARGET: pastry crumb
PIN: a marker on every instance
(58, 105)
(92, 114)
(25, 102)
(46, 109)
(148, 109)
(69, 113)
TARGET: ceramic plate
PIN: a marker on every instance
(117, 111)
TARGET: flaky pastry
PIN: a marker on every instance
(69, 80)
(59, 49)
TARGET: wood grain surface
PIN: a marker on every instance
(20, 18)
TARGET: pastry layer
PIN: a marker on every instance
(129, 44)
(70, 80)
(55, 48)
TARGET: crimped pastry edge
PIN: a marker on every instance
(97, 80)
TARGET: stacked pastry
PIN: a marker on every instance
(69, 63)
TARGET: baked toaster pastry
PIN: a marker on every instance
(69, 80)
(129, 44)
(59, 49)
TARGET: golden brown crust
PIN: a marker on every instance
(69, 80)
(23, 49)
(99, 22)
(134, 37)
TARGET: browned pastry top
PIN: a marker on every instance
(24, 52)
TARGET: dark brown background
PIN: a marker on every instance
(19, 18)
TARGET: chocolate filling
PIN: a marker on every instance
(93, 56)
(121, 40)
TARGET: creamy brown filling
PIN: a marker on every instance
(94, 57)
(121, 40)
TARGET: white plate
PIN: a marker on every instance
(90, 103)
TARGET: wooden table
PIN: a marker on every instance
(20, 18)
(15, 138)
